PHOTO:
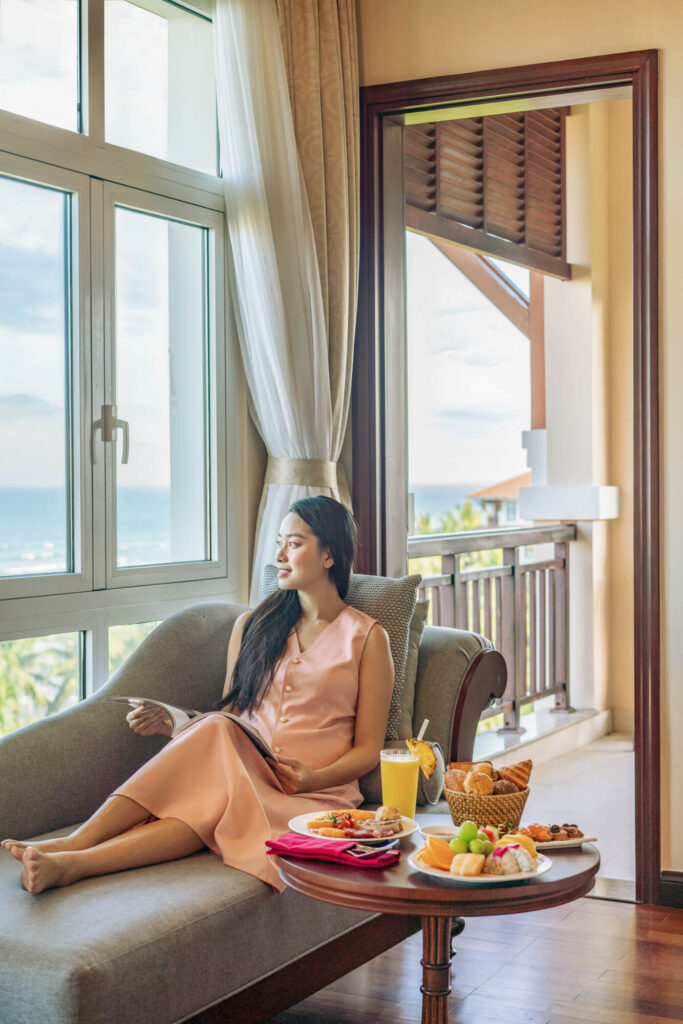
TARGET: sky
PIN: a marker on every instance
(468, 366)
(468, 377)
(38, 78)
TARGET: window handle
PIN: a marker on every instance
(108, 424)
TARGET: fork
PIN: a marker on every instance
(363, 850)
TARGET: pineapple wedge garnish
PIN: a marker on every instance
(425, 754)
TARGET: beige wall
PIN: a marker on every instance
(404, 39)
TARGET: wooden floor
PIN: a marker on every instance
(590, 962)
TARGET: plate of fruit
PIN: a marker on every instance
(480, 856)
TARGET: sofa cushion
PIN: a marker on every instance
(156, 943)
(392, 603)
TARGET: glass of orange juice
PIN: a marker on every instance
(399, 769)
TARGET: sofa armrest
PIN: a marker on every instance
(458, 674)
(56, 772)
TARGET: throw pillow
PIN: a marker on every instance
(417, 623)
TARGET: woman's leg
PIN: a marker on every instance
(115, 816)
(168, 839)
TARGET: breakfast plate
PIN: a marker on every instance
(544, 864)
(448, 832)
(565, 844)
(300, 824)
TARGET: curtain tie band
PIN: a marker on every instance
(309, 473)
(302, 472)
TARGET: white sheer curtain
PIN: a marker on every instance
(275, 278)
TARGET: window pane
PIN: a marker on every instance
(469, 396)
(159, 82)
(163, 505)
(124, 639)
(35, 400)
(519, 276)
(38, 676)
(39, 60)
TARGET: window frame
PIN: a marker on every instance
(32, 150)
(110, 575)
(86, 151)
(79, 186)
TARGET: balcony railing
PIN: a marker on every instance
(522, 606)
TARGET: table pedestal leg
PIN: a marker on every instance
(436, 965)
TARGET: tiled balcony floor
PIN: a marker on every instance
(592, 786)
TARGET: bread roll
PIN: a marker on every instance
(387, 813)
(455, 779)
(484, 766)
(467, 766)
(478, 782)
(503, 786)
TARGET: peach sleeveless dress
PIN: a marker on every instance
(212, 777)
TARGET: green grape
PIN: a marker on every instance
(459, 846)
(468, 831)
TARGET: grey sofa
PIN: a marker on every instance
(191, 939)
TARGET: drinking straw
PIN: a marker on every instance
(423, 729)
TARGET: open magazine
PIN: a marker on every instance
(181, 718)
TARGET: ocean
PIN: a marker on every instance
(33, 528)
(33, 524)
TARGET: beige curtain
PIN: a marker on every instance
(291, 201)
(320, 44)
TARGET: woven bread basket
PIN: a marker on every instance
(486, 810)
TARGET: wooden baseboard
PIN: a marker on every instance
(671, 889)
(300, 979)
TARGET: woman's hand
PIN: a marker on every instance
(294, 776)
(149, 721)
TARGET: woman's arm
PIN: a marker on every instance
(234, 649)
(375, 685)
(154, 721)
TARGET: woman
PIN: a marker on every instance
(311, 673)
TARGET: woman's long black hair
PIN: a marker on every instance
(264, 639)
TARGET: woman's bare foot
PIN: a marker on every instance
(17, 847)
(45, 870)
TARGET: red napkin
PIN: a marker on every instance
(293, 845)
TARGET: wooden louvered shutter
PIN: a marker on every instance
(494, 184)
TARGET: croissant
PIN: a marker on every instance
(519, 774)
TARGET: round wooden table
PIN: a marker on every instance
(402, 890)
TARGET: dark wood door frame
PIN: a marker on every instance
(391, 101)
